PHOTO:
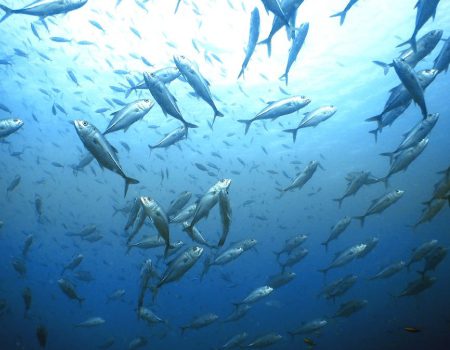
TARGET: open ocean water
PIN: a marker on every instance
(72, 276)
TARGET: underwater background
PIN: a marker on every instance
(81, 68)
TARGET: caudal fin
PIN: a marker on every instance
(360, 218)
(388, 154)
(325, 244)
(383, 65)
(293, 132)
(129, 181)
(267, 42)
(247, 124)
(339, 200)
(285, 76)
(8, 12)
(341, 16)
(217, 113)
(411, 41)
(375, 133)
(189, 125)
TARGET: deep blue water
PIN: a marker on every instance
(333, 67)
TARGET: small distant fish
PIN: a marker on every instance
(412, 329)
(97, 25)
(59, 39)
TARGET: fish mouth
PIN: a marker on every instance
(78, 123)
(226, 183)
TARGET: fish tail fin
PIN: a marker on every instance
(339, 200)
(383, 65)
(217, 113)
(361, 219)
(129, 181)
(325, 244)
(241, 73)
(385, 180)
(388, 154)
(247, 124)
(267, 42)
(151, 149)
(115, 211)
(188, 125)
(341, 16)
(293, 132)
(8, 12)
(285, 76)
(375, 133)
(324, 271)
(411, 41)
(129, 91)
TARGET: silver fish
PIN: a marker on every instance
(297, 44)
(159, 218)
(378, 205)
(312, 119)
(101, 149)
(171, 138)
(252, 40)
(9, 126)
(128, 115)
(276, 109)
(200, 85)
(303, 177)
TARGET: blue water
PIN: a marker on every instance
(334, 67)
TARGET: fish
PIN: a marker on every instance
(389, 271)
(128, 115)
(252, 39)
(265, 341)
(225, 215)
(91, 322)
(417, 286)
(178, 267)
(196, 236)
(387, 118)
(171, 138)
(147, 243)
(442, 61)
(302, 178)
(404, 158)
(421, 252)
(27, 245)
(164, 98)
(184, 215)
(343, 13)
(200, 85)
(165, 75)
(290, 244)
(200, 322)
(310, 327)
(412, 329)
(338, 287)
(281, 279)
(276, 109)
(411, 82)
(149, 316)
(27, 298)
(274, 6)
(419, 132)
(226, 257)
(235, 341)
(294, 257)
(208, 201)
(69, 289)
(378, 205)
(41, 335)
(290, 8)
(256, 295)
(425, 10)
(9, 126)
(75, 262)
(238, 313)
(350, 307)
(146, 274)
(106, 155)
(313, 118)
(433, 259)
(159, 218)
(297, 44)
(179, 203)
(344, 257)
(337, 230)
(14, 183)
(425, 45)
(44, 8)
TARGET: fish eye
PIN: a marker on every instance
(146, 101)
(85, 123)
(16, 120)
